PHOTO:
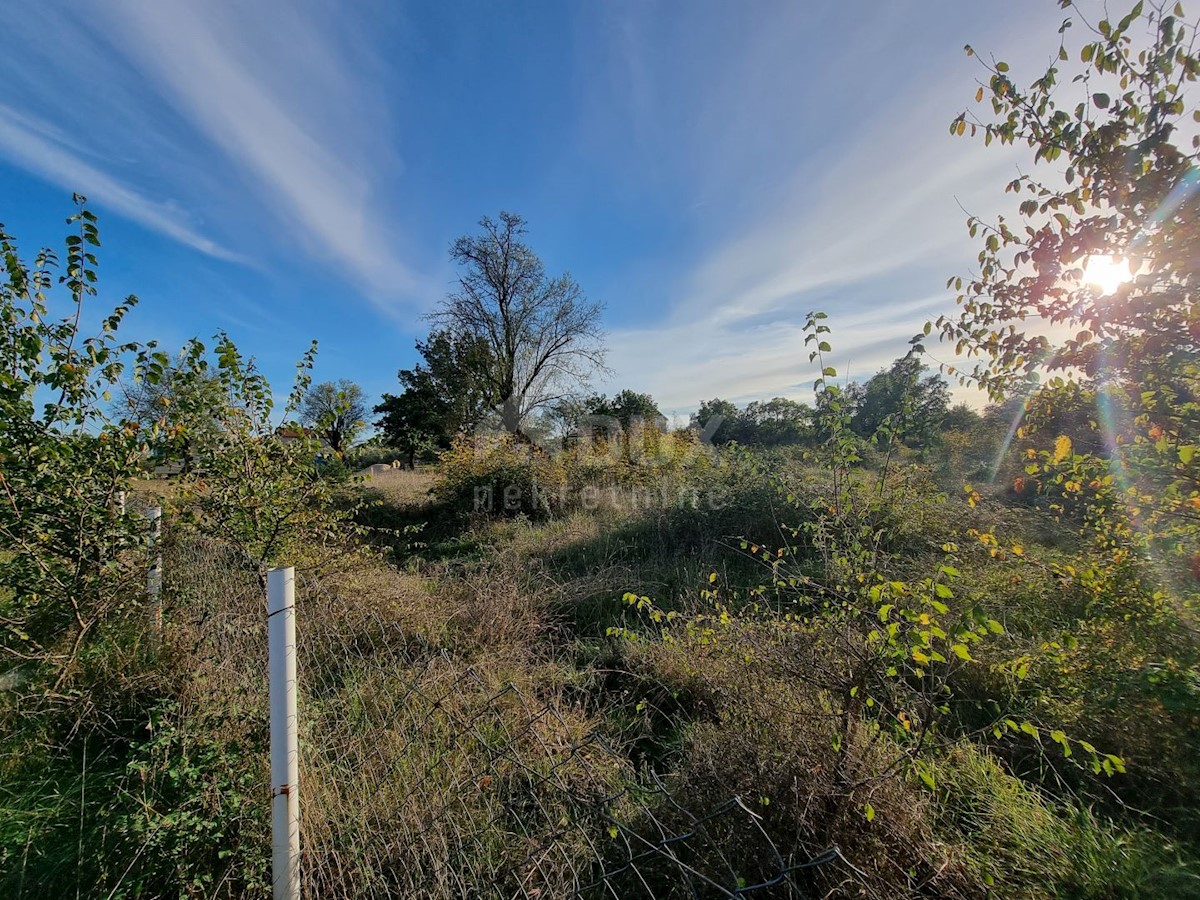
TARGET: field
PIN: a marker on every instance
(855, 640)
(641, 693)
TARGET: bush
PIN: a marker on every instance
(501, 476)
(69, 559)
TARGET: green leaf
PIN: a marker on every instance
(1101, 100)
(926, 775)
(1061, 739)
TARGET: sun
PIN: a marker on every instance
(1106, 273)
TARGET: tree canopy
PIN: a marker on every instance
(905, 398)
(628, 407)
(337, 410)
(444, 395)
(767, 423)
(1111, 125)
(176, 413)
(1122, 188)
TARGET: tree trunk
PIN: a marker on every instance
(510, 415)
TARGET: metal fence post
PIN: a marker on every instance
(285, 763)
(154, 576)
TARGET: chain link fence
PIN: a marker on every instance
(427, 770)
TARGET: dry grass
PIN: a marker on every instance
(468, 729)
(440, 758)
(400, 487)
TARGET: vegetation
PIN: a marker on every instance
(875, 645)
(445, 396)
(337, 410)
(540, 336)
(626, 409)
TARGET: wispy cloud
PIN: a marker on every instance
(869, 240)
(39, 147)
(685, 363)
(291, 106)
(268, 122)
(866, 225)
(714, 176)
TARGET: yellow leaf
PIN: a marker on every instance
(1062, 448)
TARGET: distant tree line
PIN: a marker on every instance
(911, 401)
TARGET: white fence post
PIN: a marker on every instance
(154, 576)
(285, 762)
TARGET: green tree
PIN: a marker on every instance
(1121, 193)
(262, 495)
(1083, 314)
(68, 559)
(961, 417)
(445, 395)
(776, 422)
(542, 334)
(909, 402)
(717, 420)
(174, 414)
(337, 410)
(628, 407)
(1123, 189)
(411, 421)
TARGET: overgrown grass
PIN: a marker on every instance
(484, 715)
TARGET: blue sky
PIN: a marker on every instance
(710, 170)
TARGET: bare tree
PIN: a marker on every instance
(543, 334)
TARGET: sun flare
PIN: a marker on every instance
(1106, 273)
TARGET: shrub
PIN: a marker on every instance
(271, 495)
(69, 559)
(499, 475)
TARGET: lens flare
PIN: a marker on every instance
(1105, 273)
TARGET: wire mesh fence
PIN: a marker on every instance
(430, 772)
